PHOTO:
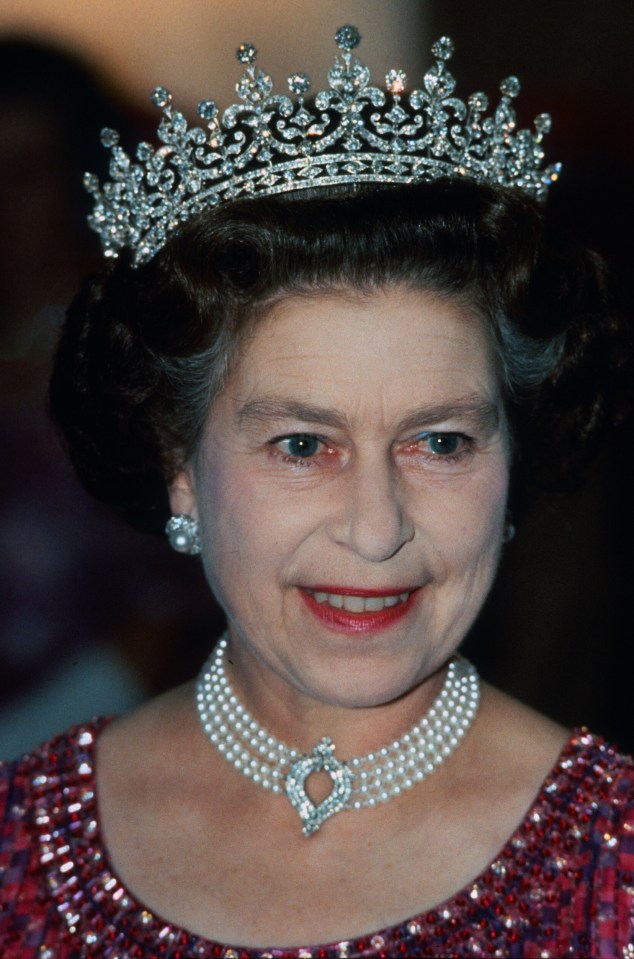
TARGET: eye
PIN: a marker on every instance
(299, 445)
(443, 444)
(440, 450)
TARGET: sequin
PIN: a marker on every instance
(562, 886)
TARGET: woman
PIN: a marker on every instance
(329, 390)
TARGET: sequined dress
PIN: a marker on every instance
(562, 886)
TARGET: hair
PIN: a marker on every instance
(144, 351)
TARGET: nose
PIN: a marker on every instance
(372, 517)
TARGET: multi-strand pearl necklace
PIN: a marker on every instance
(356, 783)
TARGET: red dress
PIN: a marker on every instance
(562, 886)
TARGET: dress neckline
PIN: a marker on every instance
(95, 903)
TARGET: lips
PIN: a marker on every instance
(358, 610)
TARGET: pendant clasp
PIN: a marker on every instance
(321, 759)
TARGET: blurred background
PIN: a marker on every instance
(95, 617)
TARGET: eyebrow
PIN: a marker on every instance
(484, 413)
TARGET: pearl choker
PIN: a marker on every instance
(356, 783)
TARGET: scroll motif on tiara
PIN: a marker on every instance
(352, 132)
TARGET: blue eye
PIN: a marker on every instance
(443, 444)
(300, 446)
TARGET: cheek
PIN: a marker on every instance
(224, 524)
(466, 527)
(249, 527)
(465, 551)
(229, 519)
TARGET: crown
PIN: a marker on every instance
(350, 133)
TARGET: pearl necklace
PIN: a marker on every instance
(356, 783)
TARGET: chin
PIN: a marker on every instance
(373, 682)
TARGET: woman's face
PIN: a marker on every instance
(351, 487)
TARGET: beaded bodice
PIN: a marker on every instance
(562, 886)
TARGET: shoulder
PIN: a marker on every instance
(18, 856)
(32, 789)
(603, 778)
(580, 827)
(12, 795)
(15, 809)
(597, 781)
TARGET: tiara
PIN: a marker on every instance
(350, 133)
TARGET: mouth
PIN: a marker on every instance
(359, 602)
(358, 610)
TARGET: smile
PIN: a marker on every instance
(355, 603)
(357, 611)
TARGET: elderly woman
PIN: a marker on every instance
(325, 362)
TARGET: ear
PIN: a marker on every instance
(182, 493)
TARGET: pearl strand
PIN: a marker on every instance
(376, 777)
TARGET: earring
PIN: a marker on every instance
(509, 530)
(183, 534)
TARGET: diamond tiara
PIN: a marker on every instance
(352, 133)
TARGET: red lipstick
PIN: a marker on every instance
(344, 621)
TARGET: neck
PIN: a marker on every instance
(300, 720)
(357, 781)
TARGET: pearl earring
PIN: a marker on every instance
(183, 534)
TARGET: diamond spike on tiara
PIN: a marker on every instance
(351, 132)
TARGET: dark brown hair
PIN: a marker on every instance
(145, 350)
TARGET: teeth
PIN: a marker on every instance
(374, 604)
(360, 604)
(354, 604)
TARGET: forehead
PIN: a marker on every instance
(352, 343)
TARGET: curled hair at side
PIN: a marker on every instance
(145, 350)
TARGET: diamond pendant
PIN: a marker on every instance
(321, 759)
